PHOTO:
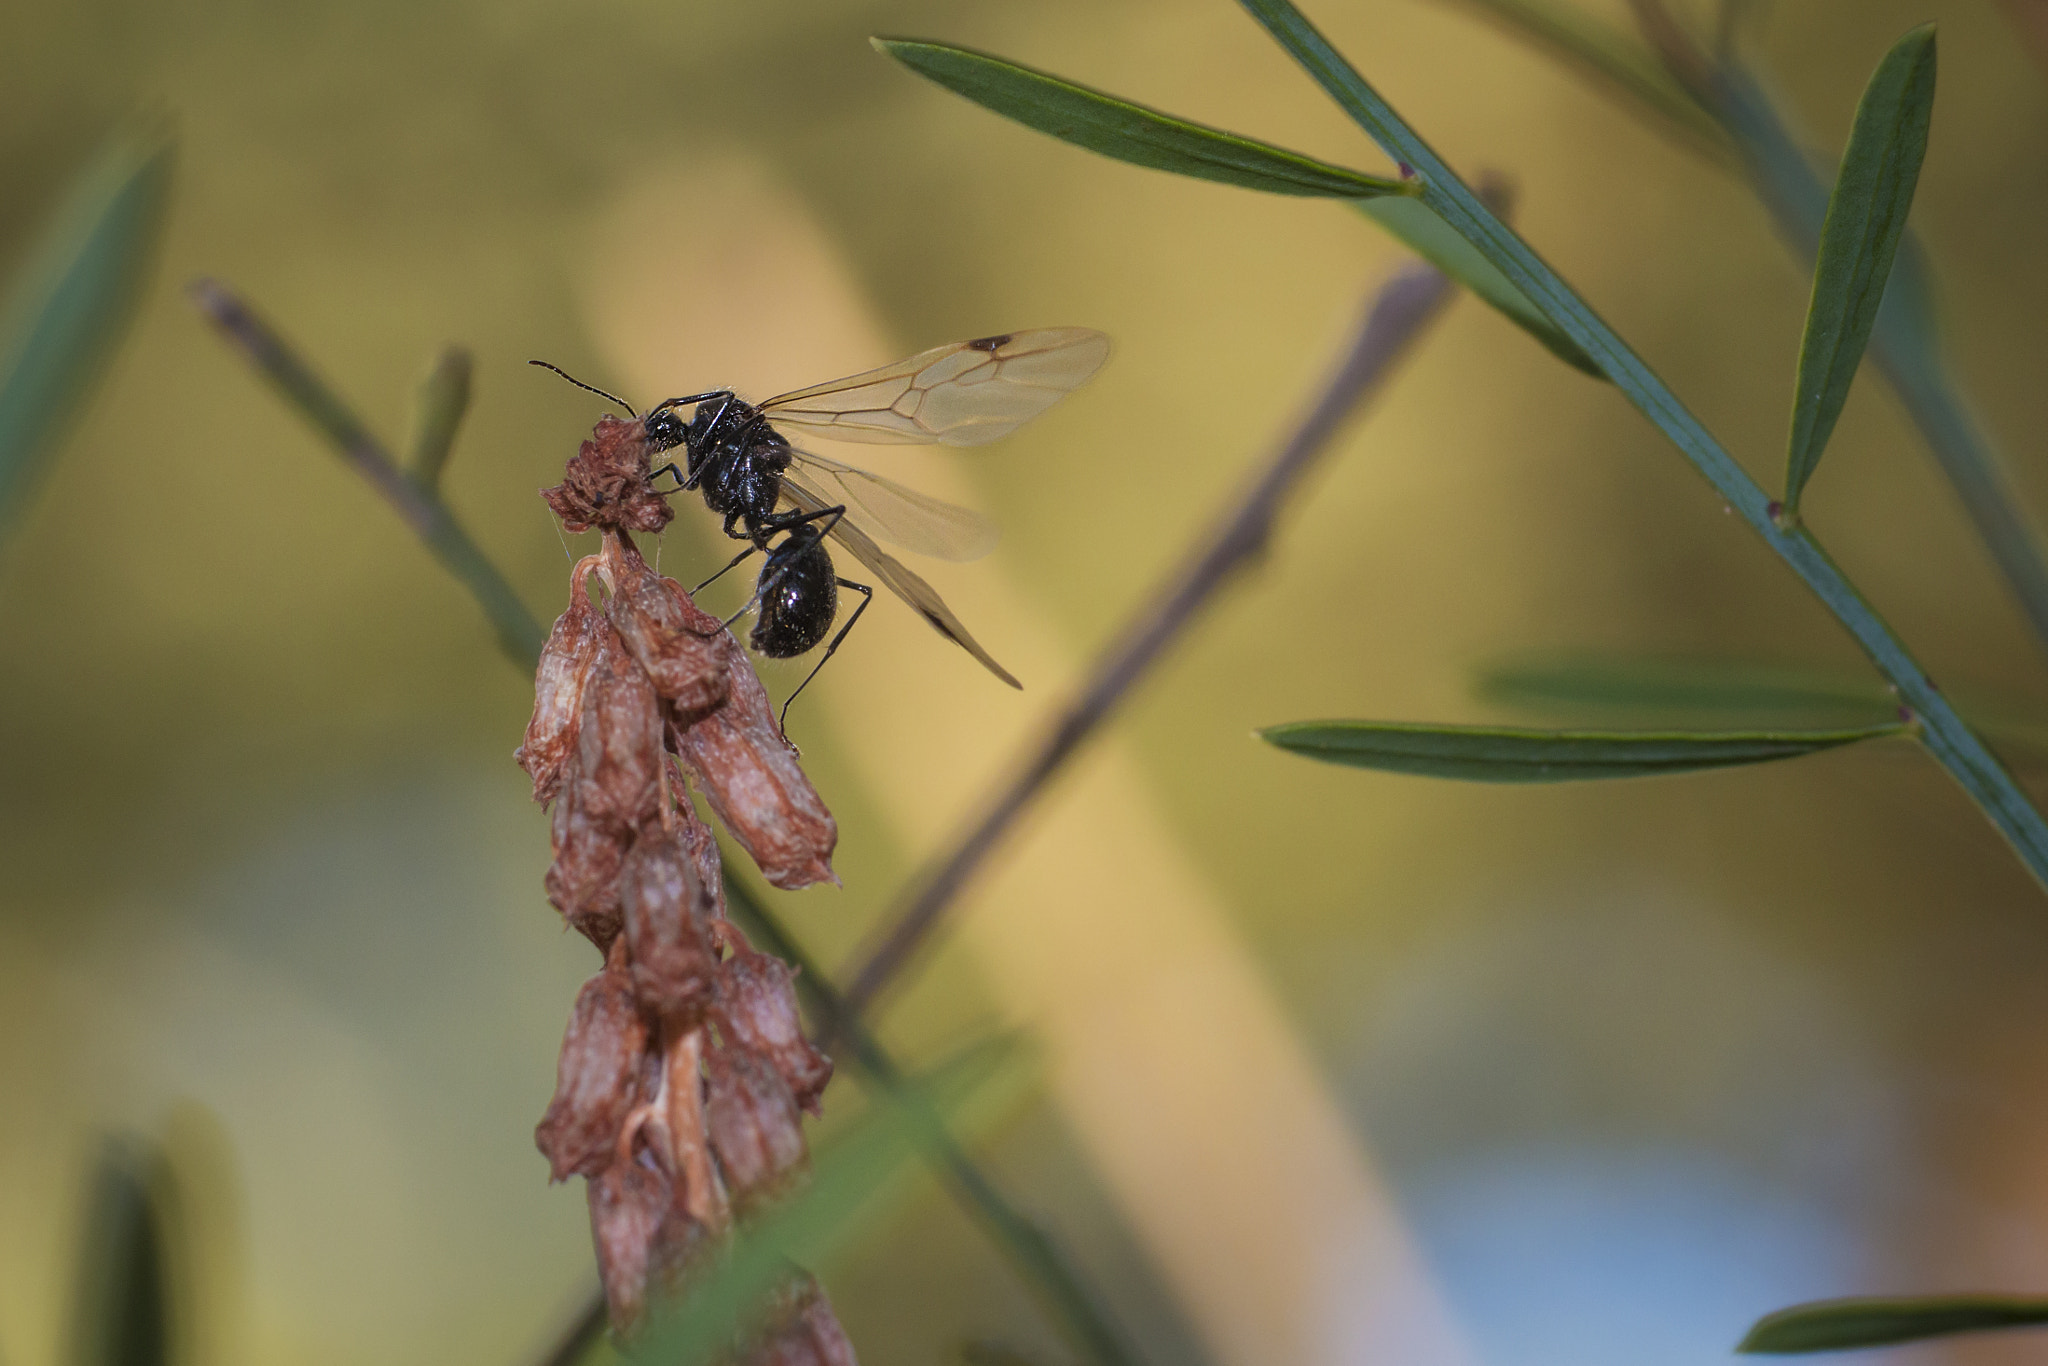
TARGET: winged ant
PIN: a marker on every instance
(786, 502)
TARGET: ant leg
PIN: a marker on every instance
(867, 596)
(672, 472)
(789, 521)
(730, 566)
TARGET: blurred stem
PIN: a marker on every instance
(519, 635)
(1032, 1251)
(1397, 315)
(1966, 757)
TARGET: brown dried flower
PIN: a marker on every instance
(675, 1129)
(606, 484)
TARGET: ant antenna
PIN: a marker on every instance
(581, 385)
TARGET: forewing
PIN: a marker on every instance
(902, 516)
(898, 580)
(958, 395)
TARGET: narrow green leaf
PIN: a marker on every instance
(1833, 1325)
(123, 1306)
(1129, 132)
(443, 402)
(1503, 754)
(1415, 226)
(1866, 218)
(847, 1178)
(72, 303)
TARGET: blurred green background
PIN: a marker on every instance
(1637, 1061)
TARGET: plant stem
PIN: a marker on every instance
(1966, 758)
(519, 635)
(1396, 316)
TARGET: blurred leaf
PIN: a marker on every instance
(1502, 754)
(846, 1179)
(1126, 131)
(1595, 683)
(443, 402)
(1415, 226)
(1866, 218)
(1833, 1325)
(73, 301)
(123, 1308)
(1605, 56)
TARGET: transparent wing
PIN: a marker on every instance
(897, 579)
(896, 514)
(958, 395)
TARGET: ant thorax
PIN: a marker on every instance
(737, 460)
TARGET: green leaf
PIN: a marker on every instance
(1415, 226)
(847, 1179)
(1129, 132)
(72, 303)
(1503, 754)
(123, 1306)
(1866, 217)
(1833, 1325)
(443, 401)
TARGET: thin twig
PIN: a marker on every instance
(518, 633)
(1035, 1254)
(1396, 316)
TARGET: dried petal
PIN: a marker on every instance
(756, 1011)
(702, 844)
(629, 1204)
(667, 910)
(755, 1132)
(606, 484)
(558, 688)
(677, 645)
(597, 1077)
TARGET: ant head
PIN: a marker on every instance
(665, 429)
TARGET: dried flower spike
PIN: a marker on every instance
(675, 1129)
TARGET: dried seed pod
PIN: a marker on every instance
(755, 1133)
(558, 687)
(597, 1077)
(606, 484)
(754, 784)
(583, 881)
(629, 1206)
(667, 913)
(755, 1010)
(617, 764)
(677, 645)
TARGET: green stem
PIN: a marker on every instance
(519, 635)
(1945, 736)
